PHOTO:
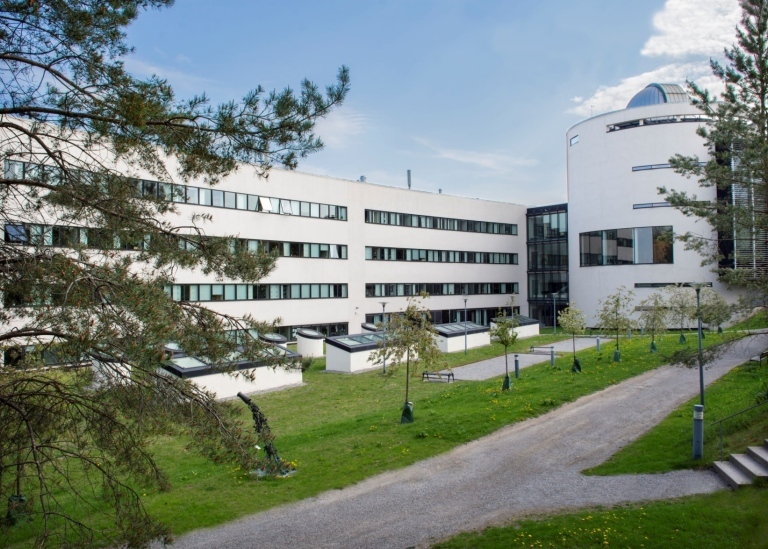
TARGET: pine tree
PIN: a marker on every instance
(77, 130)
(736, 169)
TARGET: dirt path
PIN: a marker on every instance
(525, 468)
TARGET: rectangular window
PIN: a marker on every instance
(205, 292)
(230, 200)
(574, 140)
(206, 198)
(275, 205)
(314, 210)
(285, 207)
(265, 204)
(253, 203)
(324, 211)
(242, 201)
(217, 292)
(192, 195)
(305, 209)
(217, 198)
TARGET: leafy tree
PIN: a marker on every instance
(735, 171)
(681, 301)
(654, 316)
(572, 320)
(715, 310)
(76, 129)
(615, 314)
(409, 338)
(505, 333)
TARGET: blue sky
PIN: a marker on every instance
(473, 96)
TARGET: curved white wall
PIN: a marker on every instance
(602, 189)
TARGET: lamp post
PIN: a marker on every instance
(554, 313)
(698, 410)
(465, 323)
(383, 319)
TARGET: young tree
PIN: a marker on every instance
(654, 316)
(736, 171)
(572, 320)
(615, 314)
(505, 333)
(681, 302)
(409, 338)
(715, 311)
(76, 128)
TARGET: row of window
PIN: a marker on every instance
(437, 289)
(482, 316)
(636, 246)
(249, 292)
(328, 330)
(443, 223)
(284, 249)
(67, 237)
(187, 194)
(440, 256)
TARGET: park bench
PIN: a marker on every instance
(437, 376)
(759, 358)
(541, 350)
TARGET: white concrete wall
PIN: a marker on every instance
(602, 189)
(339, 360)
(522, 331)
(356, 234)
(309, 347)
(225, 385)
(454, 344)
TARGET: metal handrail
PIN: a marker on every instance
(720, 422)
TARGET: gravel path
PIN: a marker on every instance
(529, 467)
(494, 367)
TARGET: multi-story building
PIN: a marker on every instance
(547, 236)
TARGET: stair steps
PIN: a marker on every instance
(742, 469)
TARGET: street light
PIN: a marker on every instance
(554, 313)
(464, 295)
(698, 411)
(383, 319)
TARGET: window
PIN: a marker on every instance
(265, 203)
(430, 222)
(217, 199)
(574, 140)
(637, 246)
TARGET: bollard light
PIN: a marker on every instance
(698, 431)
(517, 366)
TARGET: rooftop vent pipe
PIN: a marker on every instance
(409, 179)
(362, 179)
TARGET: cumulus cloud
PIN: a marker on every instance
(693, 27)
(691, 31)
(340, 126)
(497, 162)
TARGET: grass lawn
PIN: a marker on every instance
(340, 429)
(667, 446)
(722, 520)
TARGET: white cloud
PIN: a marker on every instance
(612, 98)
(340, 126)
(693, 27)
(577, 99)
(498, 162)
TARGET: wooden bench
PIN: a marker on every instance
(437, 376)
(759, 358)
(541, 350)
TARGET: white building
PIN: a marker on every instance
(347, 246)
(619, 225)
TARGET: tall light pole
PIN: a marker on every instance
(383, 319)
(698, 410)
(554, 313)
(698, 286)
(465, 323)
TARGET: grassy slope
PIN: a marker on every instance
(723, 520)
(340, 429)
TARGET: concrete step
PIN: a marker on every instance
(732, 475)
(752, 468)
(759, 454)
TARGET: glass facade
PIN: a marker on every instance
(635, 246)
(547, 261)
